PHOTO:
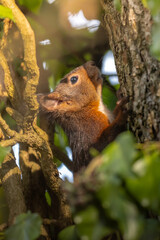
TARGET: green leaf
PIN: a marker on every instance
(4, 152)
(48, 198)
(153, 5)
(6, 13)
(60, 138)
(119, 212)
(146, 185)
(33, 5)
(119, 155)
(87, 57)
(27, 226)
(127, 145)
(117, 4)
(109, 98)
(145, 3)
(9, 120)
(89, 224)
(155, 48)
(68, 233)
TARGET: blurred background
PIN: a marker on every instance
(68, 33)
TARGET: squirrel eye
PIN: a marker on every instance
(74, 79)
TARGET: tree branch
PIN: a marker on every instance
(11, 181)
(5, 127)
(9, 86)
(7, 24)
(27, 113)
(138, 72)
(55, 150)
(62, 157)
(29, 59)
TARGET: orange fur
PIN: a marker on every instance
(76, 104)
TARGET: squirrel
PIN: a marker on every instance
(76, 105)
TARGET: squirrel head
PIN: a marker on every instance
(79, 88)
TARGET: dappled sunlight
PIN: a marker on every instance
(79, 21)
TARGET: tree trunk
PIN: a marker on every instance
(129, 33)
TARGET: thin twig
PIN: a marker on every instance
(62, 157)
(5, 127)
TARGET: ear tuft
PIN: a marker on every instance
(92, 71)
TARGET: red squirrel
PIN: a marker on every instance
(76, 105)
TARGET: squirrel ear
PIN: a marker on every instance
(92, 71)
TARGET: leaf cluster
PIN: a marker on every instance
(27, 227)
(121, 198)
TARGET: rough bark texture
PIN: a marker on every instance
(138, 72)
(11, 182)
(38, 170)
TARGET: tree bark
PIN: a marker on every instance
(11, 182)
(129, 33)
(39, 171)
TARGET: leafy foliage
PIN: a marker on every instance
(117, 4)
(4, 152)
(33, 5)
(121, 196)
(154, 6)
(26, 227)
(109, 98)
(68, 233)
(6, 13)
